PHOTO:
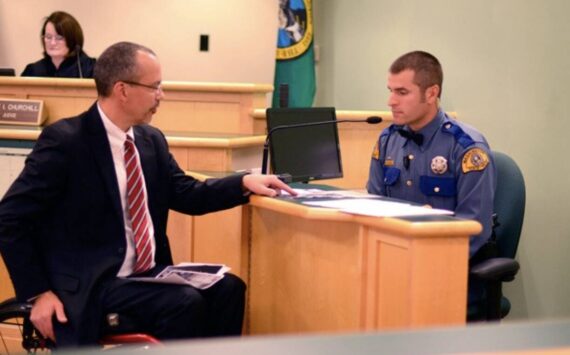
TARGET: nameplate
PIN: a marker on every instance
(22, 112)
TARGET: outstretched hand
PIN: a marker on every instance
(45, 306)
(266, 185)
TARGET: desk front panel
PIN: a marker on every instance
(415, 282)
(305, 275)
(317, 270)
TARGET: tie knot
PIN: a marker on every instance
(418, 138)
(129, 142)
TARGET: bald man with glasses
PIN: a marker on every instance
(90, 209)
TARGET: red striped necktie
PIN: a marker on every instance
(140, 220)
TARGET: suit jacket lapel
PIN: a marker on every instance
(102, 153)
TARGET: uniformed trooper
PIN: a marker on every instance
(427, 157)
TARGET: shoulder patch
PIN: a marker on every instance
(376, 152)
(475, 159)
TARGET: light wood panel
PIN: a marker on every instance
(219, 238)
(6, 288)
(187, 106)
(305, 275)
(11, 340)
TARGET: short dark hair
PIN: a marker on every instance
(66, 26)
(117, 63)
(426, 67)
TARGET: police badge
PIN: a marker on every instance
(439, 165)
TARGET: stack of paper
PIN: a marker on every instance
(378, 207)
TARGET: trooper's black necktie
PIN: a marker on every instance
(418, 138)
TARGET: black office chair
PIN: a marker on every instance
(16, 316)
(509, 206)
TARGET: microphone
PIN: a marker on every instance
(77, 55)
(369, 120)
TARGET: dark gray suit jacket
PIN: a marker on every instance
(61, 222)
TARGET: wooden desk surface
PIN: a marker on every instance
(412, 227)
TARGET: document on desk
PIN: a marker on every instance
(378, 207)
(198, 275)
(328, 194)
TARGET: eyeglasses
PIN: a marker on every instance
(57, 38)
(156, 88)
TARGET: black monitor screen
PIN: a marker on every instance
(306, 153)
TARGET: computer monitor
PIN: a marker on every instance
(306, 153)
(7, 72)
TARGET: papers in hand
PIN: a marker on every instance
(378, 207)
(198, 275)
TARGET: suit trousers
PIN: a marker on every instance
(176, 311)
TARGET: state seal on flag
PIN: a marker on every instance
(295, 33)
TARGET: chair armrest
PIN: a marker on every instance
(14, 308)
(495, 269)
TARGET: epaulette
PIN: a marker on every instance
(389, 130)
(462, 138)
(386, 132)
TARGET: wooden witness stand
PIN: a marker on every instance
(308, 269)
(320, 270)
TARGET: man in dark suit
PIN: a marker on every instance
(69, 233)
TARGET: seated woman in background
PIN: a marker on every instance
(62, 40)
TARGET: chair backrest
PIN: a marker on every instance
(509, 204)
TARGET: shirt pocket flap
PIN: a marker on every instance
(438, 186)
(391, 176)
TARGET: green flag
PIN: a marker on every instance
(295, 56)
